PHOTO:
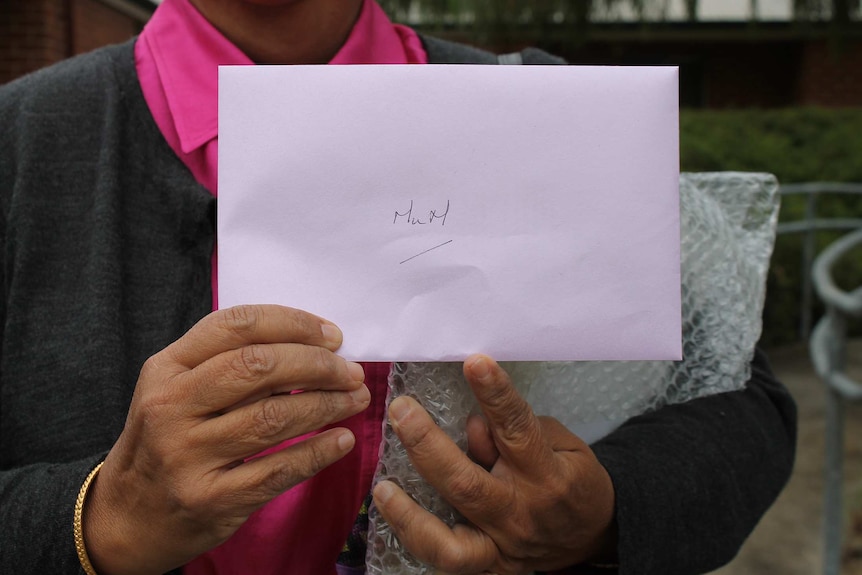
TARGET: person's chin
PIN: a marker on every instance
(271, 2)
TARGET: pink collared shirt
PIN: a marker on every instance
(177, 56)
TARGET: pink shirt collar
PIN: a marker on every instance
(190, 83)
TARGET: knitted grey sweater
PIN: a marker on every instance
(105, 239)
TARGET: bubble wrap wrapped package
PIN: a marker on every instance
(727, 229)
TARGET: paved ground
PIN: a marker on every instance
(788, 540)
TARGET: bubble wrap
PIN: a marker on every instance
(727, 229)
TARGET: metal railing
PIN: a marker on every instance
(828, 341)
(810, 226)
(828, 347)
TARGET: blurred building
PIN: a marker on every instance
(732, 53)
(724, 64)
(37, 33)
(728, 59)
(737, 64)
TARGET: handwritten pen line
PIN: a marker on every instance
(426, 251)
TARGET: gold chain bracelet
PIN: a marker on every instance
(77, 525)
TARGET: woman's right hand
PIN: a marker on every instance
(179, 480)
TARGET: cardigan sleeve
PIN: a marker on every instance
(692, 480)
(36, 510)
(78, 313)
(37, 500)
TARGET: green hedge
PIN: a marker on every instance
(797, 145)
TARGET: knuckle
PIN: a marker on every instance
(400, 520)
(324, 362)
(241, 319)
(319, 408)
(149, 413)
(559, 490)
(150, 368)
(449, 558)
(151, 408)
(156, 395)
(194, 501)
(316, 458)
(520, 426)
(269, 417)
(306, 463)
(500, 395)
(420, 437)
(280, 479)
(467, 485)
(252, 362)
(522, 534)
(155, 370)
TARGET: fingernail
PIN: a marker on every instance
(331, 333)
(399, 409)
(480, 368)
(355, 370)
(345, 441)
(384, 491)
(361, 395)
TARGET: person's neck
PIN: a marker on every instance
(300, 32)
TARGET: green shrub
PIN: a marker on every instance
(797, 145)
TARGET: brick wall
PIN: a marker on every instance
(38, 33)
(33, 34)
(830, 74)
(94, 24)
(750, 75)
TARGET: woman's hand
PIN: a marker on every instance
(534, 495)
(179, 480)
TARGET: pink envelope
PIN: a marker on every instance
(527, 212)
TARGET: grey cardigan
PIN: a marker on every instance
(105, 239)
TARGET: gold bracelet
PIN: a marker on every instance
(77, 525)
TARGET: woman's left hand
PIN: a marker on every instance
(534, 494)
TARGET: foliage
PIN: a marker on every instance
(797, 145)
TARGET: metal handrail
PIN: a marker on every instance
(828, 349)
(820, 345)
(819, 225)
(833, 296)
(816, 187)
(810, 225)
